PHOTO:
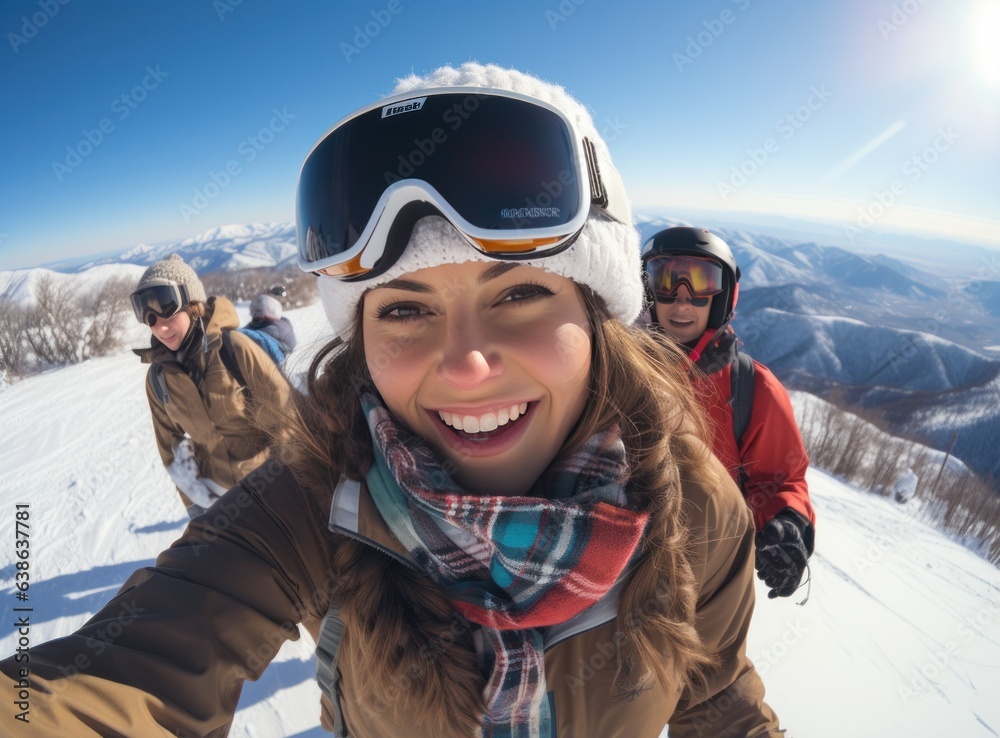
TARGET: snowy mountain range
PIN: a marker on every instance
(20, 285)
(226, 248)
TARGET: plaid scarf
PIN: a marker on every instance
(510, 564)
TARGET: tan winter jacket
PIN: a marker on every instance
(169, 654)
(227, 446)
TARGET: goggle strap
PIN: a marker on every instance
(606, 188)
(598, 195)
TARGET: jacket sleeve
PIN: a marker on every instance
(773, 454)
(732, 702)
(167, 433)
(169, 654)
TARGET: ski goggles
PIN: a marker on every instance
(665, 274)
(158, 301)
(511, 173)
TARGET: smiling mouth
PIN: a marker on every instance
(486, 426)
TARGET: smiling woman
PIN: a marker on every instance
(512, 343)
(493, 479)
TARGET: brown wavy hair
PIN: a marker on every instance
(639, 382)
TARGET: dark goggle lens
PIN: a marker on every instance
(702, 277)
(161, 301)
(698, 302)
(501, 163)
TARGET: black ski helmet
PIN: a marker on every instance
(278, 291)
(686, 241)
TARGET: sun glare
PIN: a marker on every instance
(985, 46)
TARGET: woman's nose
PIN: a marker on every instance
(467, 357)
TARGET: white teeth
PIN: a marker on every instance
(484, 423)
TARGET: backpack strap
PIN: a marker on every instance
(156, 383)
(271, 345)
(327, 673)
(741, 375)
(228, 356)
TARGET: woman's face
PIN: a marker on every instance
(171, 331)
(682, 320)
(488, 362)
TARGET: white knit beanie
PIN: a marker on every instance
(265, 307)
(173, 270)
(605, 256)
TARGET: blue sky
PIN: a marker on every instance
(877, 114)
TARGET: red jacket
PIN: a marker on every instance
(772, 452)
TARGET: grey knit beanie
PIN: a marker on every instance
(173, 270)
(605, 256)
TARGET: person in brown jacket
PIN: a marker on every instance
(204, 431)
(495, 510)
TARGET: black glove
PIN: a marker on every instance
(784, 545)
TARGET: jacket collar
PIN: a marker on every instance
(353, 513)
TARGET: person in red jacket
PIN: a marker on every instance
(693, 284)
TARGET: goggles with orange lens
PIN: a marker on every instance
(665, 274)
(511, 173)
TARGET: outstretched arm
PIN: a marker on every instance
(168, 655)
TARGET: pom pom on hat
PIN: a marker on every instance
(173, 270)
(604, 257)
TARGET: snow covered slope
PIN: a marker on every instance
(900, 635)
